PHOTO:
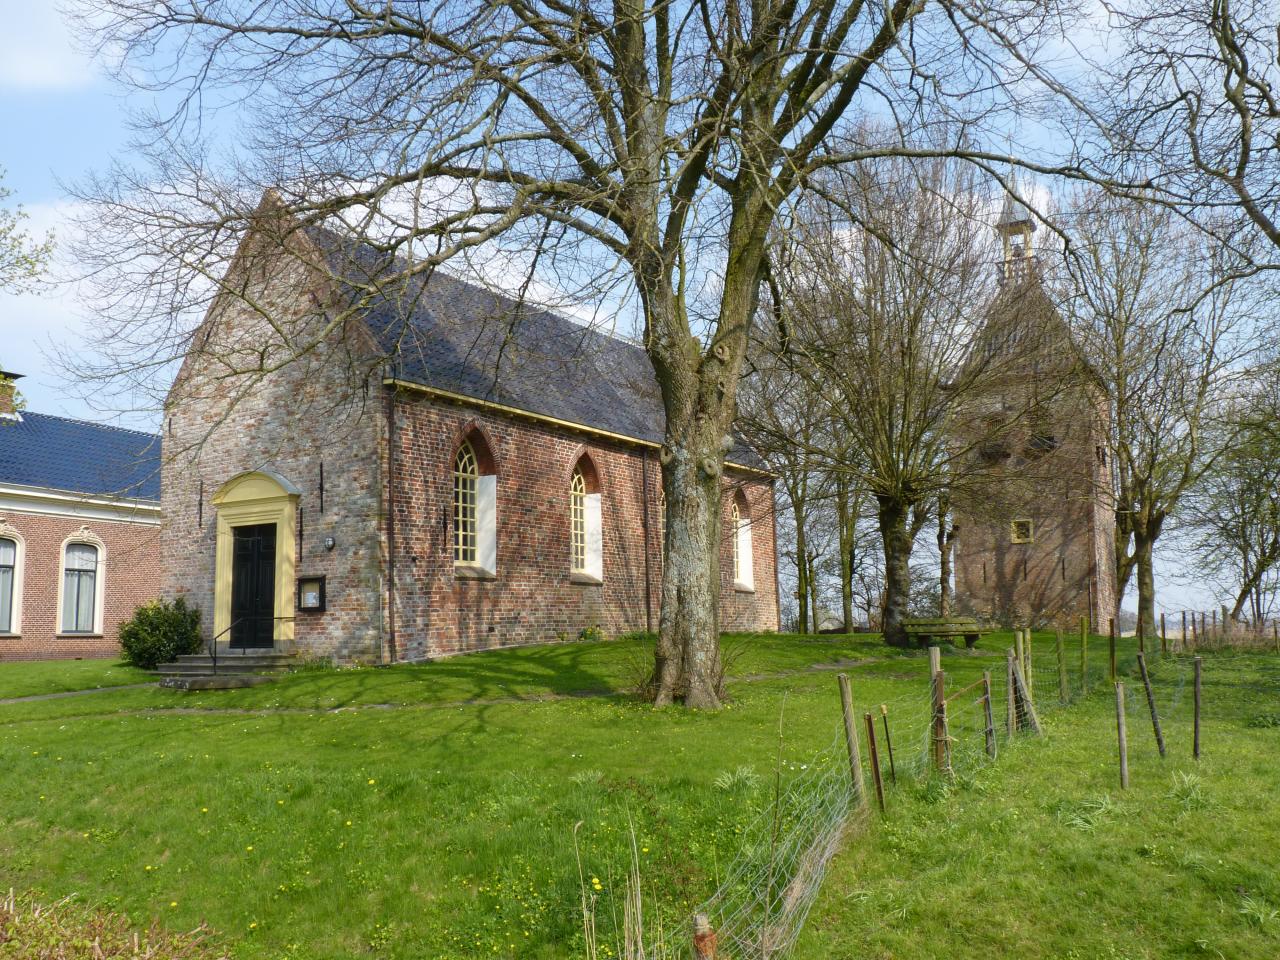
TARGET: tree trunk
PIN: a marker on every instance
(897, 567)
(814, 616)
(1142, 556)
(802, 565)
(687, 659)
(945, 538)
(845, 525)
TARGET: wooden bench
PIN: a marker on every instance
(924, 629)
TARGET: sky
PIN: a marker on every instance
(60, 119)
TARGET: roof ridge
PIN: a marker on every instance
(90, 423)
(398, 264)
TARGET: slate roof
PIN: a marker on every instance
(73, 456)
(442, 332)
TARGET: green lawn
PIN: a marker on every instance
(430, 817)
(28, 679)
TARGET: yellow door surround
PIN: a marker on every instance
(253, 497)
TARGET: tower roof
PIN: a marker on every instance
(1014, 214)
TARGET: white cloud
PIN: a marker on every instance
(37, 51)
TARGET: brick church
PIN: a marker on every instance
(1035, 540)
(442, 470)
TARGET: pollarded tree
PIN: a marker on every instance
(642, 143)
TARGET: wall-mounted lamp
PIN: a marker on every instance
(330, 543)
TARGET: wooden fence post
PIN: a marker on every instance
(875, 759)
(1195, 746)
(1151, 703)
(1028, 670)
(1141, 631)
(851, 741)
(704, 938)
(1084, 655)
(1164, 636)
(1064, 693)
(941, 744)
(1019, 648)
(1182, 641)
(1027, 714)
(1011, 702)
(1113, 649)
(888, 744)
(1123, 739)
(1275, 635)
(989, 733)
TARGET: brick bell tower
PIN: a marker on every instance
(1035, 526)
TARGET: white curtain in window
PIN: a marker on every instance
(79, 588)
(487, 523)
(594, 523)
(8, 566)
(745, 573)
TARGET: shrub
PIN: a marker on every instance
(160, 631)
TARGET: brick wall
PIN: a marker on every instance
(533, 597)
(329, 409)
(316, 415)
(129, 577)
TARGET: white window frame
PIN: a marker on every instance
(744, 575)
(86, 538)
(19, 565)
(586, 522)
(484, 558)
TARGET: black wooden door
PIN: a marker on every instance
(253, 586)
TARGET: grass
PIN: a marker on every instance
(419, 811)
(29, 679)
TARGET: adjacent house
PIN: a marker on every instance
(376, 470)
(79, 531)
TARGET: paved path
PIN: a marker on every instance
(75, 693)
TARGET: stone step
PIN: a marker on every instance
(223, 681)
(270, 659)
(202, 665)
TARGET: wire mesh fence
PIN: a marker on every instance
(765, 894)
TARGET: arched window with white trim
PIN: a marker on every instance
(10, 585)
(740, 527)
(475, 508)
(586, 523)
(81, 589)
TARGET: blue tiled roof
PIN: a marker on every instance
(78, 457)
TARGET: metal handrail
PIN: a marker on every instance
(212, 645)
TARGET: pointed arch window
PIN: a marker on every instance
(475, 509)
(586, 524)
(743, 559)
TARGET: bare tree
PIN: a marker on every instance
(1233, 513)
(887, 273)
(644, 143)
(1163, 328)
(1190, 103)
